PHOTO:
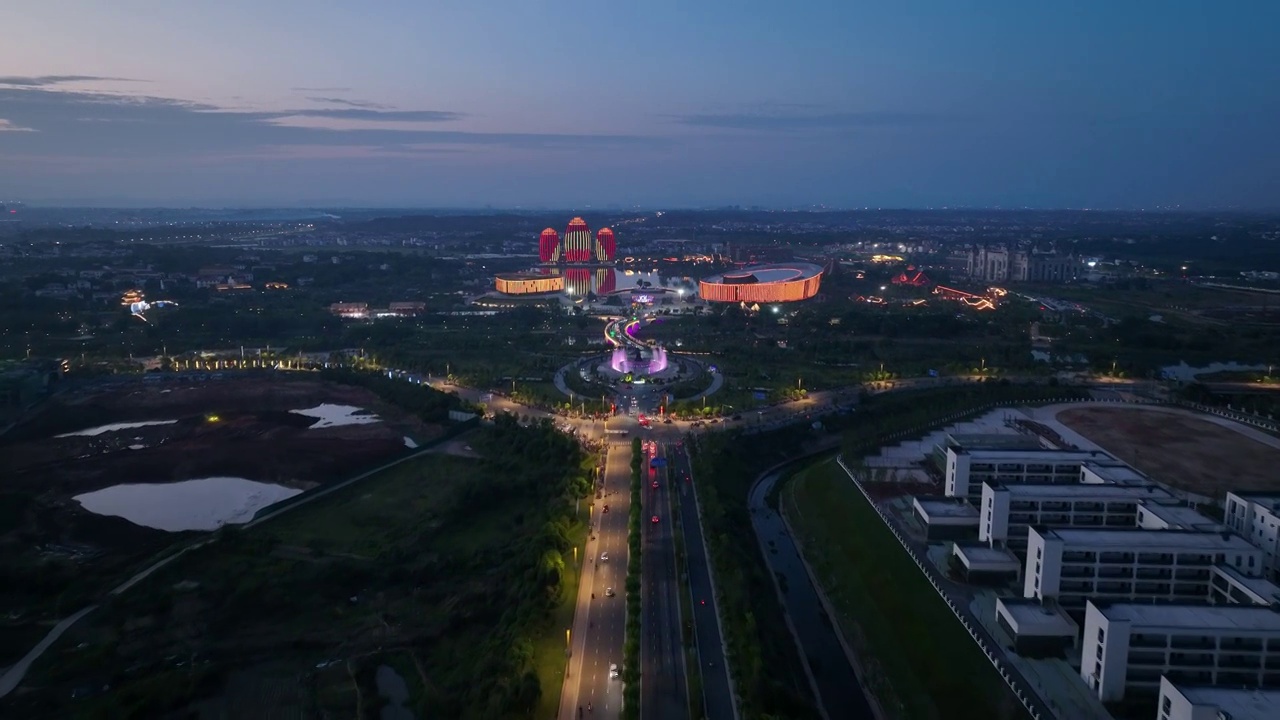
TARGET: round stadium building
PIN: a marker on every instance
(528, 283)
(784, 282)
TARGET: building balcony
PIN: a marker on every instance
(1150, 588)
(1187, 560)
(1112, 587)
(1076, 571)
(1236, 645)
(1138, 658)
(1116, 557)
(1145, 573)
(1235, 661)
(1180, 659)
(1115, 571)
(1139, 640)
(1191, 642)
(1155, 558)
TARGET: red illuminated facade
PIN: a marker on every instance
(549, 246)
(577, 242)
(606, 245)
(763, 284)
(577, 245)
(912, 277)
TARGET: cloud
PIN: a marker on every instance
(349, 103)
(321, 89)
(385, 115)
(47, 80)
(6, 126)
(802, 121)
(139, 126)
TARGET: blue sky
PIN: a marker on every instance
(1140, 103)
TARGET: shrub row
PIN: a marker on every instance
(631, 647)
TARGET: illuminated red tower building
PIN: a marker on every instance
(577, 242)
(606, 247)
(549, 246)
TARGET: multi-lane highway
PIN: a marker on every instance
(663, 686)
(717, 692)
(599, 622)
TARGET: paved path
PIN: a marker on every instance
(599, 622)
(839, 693)
(718, 695)
(14, 675)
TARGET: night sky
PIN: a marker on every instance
(850, 103)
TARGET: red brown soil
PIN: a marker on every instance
(1180, 449)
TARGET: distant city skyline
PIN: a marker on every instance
(575, 104)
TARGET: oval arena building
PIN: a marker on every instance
(784, 282)
(528, 283)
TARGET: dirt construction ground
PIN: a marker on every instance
(1186, 451)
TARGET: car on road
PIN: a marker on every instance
(604, 557)
(654, 520)
(666, 421)
(608, 592)
(655, 484)
(613, 671)
(606, 508)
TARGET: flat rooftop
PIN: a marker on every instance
(1194, 617)
(1031, 618)
(946, 507)
(1121, 539)
(979, 554)
(1237, 703)
(1019, 455)
(1118, 473)
(1180, 515)
(994, 441)
(1261, 587)
(1038, 491)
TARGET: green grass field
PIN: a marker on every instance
(920, 661)
(373, 515)
(549, 659)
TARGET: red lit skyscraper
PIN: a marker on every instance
(577, 242)
(606, 247)
(549, 246)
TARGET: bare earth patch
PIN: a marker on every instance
(1178, 448)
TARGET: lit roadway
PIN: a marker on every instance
(599, 624)
(717, 693)
(663, 686)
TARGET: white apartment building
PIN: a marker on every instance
(1008, 511)
(1128, 648)
(1186, 702)
(1071, 565)
(1256, 518)
(967, 470)
(1228, 586)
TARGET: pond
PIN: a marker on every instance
(201, 504)
(393, 688)
(113, 427)
(329, 415)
